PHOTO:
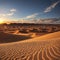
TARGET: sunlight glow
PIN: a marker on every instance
(1, 21)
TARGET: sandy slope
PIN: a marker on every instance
(41, 48)
(7, 38)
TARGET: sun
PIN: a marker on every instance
(1, 21)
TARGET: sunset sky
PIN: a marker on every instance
(17, 10)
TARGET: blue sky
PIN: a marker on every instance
(29, 9)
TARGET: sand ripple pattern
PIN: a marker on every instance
(39, 50)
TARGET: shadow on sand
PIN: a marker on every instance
(7, 38)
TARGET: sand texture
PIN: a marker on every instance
(46, 47)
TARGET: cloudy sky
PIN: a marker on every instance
(17, 10)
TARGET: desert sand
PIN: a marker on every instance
(46, 47)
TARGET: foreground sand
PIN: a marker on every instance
(46, 47)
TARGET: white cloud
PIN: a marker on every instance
(13, 10)
(31, 16)
(7, 14)
(2, 15)
(28, 18)
(10, 13)
(48, 9)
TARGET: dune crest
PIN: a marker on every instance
(55, 35)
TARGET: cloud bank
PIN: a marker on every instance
(41, 21)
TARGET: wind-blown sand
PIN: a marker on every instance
(45, 47)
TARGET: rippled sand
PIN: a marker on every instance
(45, 47)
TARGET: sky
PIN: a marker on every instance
(17, 10)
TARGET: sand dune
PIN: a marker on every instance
(46, 47)
(45, 37)
(7, 38)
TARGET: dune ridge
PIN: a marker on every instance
(46, 47)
